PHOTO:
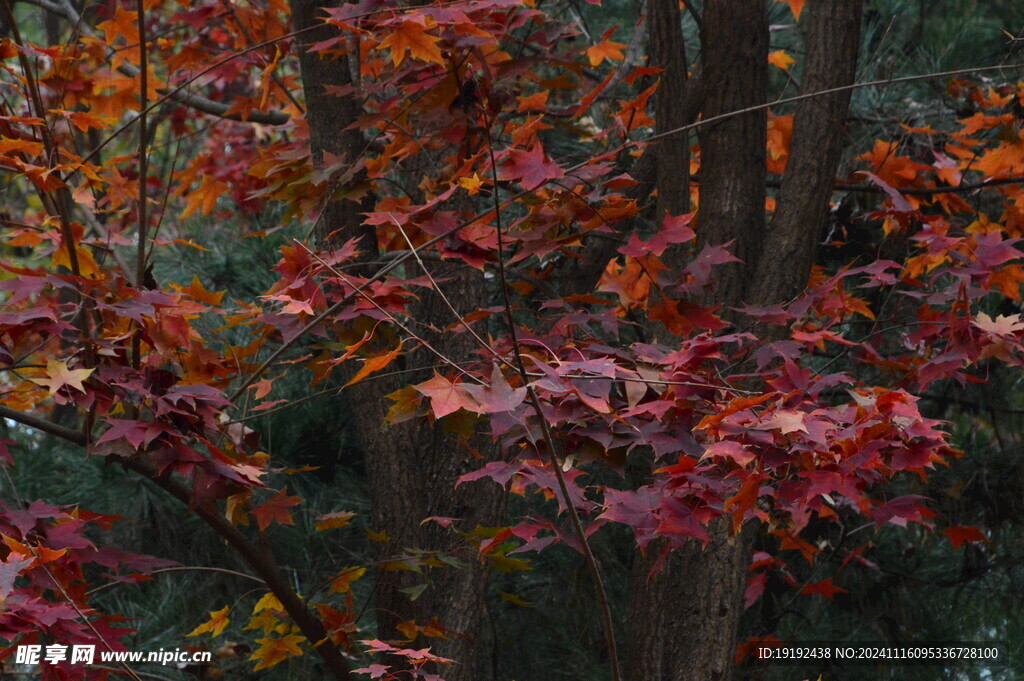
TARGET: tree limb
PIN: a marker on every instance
(261, 563)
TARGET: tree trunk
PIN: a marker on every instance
(668, 51)
(819, 131)
(733, 174)
(684, 615)
(412, 467)
(684, 618)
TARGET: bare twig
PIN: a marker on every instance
(183, 568)
(820, 93)
(577, 525)
(140, 254)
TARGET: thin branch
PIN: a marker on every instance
(965, 188)
(32, 421)
(688, 4)
(81, 615)
(140, 254)
(184, 568)
(344, 300)
(391, 318)
(455, 313)
(262, 563)
(821, 93)
(588, 554)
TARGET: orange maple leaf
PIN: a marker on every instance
(780, 59)
(606, 49)
(343, 582)
(780, 133)
(1005, 160)
(196, 291)
(538, 101)
(796, 6)
(123, 23)
(273, 651)
(205, 196)
(743, 501)
(373, 364)
(414, 36)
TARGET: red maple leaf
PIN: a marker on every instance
(823, 588)
(961, 534)
(275, 509)
(531, 167)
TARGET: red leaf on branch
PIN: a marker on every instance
(530, 167)
(275, 510)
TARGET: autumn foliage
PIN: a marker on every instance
(499, 140)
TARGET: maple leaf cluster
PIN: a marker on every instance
(782, 414)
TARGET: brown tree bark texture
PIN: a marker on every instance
(819, 132)
(412, 467)
(684, 616)
(684, 619)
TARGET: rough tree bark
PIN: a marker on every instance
(684, 617)
(819, 132)
(695, 637)
(412, 467)
(672, 157)
(733, 173)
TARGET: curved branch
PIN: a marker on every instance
(261, 562)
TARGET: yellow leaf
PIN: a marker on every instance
(514, 599)
(59, 376)
(218, 620)
(235, 509)
(343, 582)
(87, 266)
(330, 521)
(273, 651)
(266, 620)
(268, 602)
(471, 184)
(780, 59)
